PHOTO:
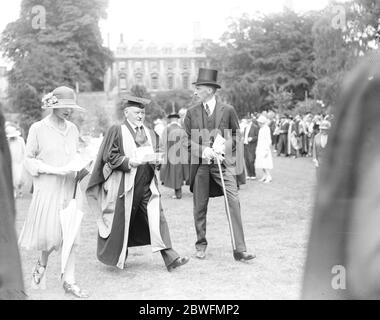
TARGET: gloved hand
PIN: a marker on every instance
(209, 154)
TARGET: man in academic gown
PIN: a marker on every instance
(123, 191)
(11, 281)
(172, 171)
(203, 122)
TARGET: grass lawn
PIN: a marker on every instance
(276, 221)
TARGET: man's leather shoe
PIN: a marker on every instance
(177, 263)
(243, 256)
(200, 254)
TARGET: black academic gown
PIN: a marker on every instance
(173, 172)
(112, 152)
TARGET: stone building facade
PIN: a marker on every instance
(157, 68)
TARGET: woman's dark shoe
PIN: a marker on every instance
(177, 263)
(243, 256)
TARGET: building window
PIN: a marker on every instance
(183, 50)
(152, 50)
(167, 50)
(139, 78)
(138, 66)
(170, 82)
(170, 65)
(185, 81)
(200, 64)
(123, 82)
(122, 65)
(154, 66)
(155, 81)
(185, 64)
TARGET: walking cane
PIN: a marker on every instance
(226, 205)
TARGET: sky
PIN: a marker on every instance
(172, 21)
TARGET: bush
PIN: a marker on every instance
(309, 106)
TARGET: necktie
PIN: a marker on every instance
(140, 136)
(207, 108)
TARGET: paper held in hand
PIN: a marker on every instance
(219, 145)
(147, 154)
(77, 164)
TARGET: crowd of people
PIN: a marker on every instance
(213, 153)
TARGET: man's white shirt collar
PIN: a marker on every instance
(133, 126)
(211, 104)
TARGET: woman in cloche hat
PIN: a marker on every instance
(264, 158)
(51, 145)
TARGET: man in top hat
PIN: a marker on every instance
(203, 122)
(172, 173)
(123, 191)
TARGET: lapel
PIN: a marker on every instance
(252, 131)
(151, 137)
(219, 110)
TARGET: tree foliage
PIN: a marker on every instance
(264, 59)
(263, 52)
(152, 111)
(66, 50)
(176, 99)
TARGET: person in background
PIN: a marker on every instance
(314, 130)
(264, 158)
(11, 279)
(17, 149)
(250, 136)
(343, 257)
(320, 143)
(182, 114)
(159, 127)
(282, 147)
(172, 171)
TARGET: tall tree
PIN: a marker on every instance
(340, 40)
(266, 51)
(55, 43)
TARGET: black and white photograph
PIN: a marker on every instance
(189, 151)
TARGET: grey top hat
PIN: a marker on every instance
(207, 77)
(61, 97)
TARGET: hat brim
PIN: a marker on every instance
(206, 83)
(64, 105)
(14, 135)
